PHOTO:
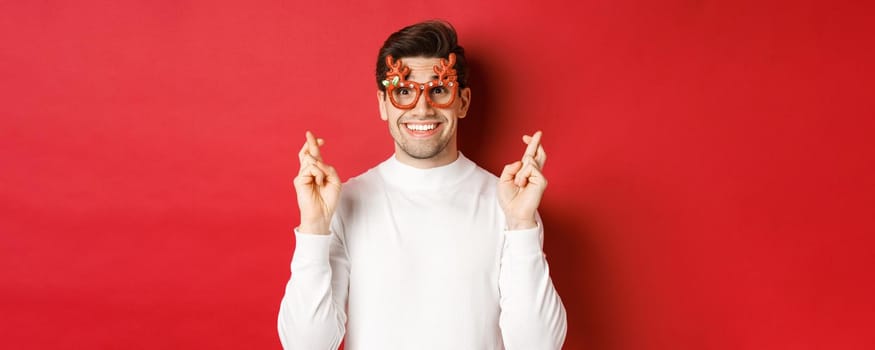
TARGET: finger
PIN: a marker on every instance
(510, 170)
(533, 144)
(302, 180)
(317, 174)
(307, 176)
(306, 161)
(536, 177)
(331, 174)
(313, 148)
(521, 177)
(540, 157)
(303, 152)
(530, 161)
(540, 154)
(530, 175)
(306, 148)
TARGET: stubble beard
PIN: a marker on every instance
(420, 149)
(423, 151)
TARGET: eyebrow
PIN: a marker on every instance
(433, 77)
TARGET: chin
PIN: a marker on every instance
(426, 152)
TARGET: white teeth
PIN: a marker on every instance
(421, 127)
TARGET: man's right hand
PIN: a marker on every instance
(318, 188)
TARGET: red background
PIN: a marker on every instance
(711, 162)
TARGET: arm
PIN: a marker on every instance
(313, 310)
(532, 315)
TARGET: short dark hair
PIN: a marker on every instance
(432, 39)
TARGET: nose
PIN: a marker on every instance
(422, 108)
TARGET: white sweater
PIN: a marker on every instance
(420, 259)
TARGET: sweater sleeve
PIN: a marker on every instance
(313, 310)
(532, 315)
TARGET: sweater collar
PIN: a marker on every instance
(405, 176)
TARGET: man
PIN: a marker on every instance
(426, 250)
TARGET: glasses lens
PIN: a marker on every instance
(404, 95)
(440, 94)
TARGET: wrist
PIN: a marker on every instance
(314, 228)
(516, 224)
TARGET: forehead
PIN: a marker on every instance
(421, 68)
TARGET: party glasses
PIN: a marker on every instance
(439, 93)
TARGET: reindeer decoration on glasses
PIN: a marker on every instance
(404, 94)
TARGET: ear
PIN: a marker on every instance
(465, 97)
(381, 103)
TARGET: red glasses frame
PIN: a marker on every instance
(446, 79)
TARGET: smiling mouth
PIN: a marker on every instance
(422, 129)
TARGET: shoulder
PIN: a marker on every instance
(481, 181)
(366, 182)
(355, 194)
(484, 175)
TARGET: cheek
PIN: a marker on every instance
(394, 115)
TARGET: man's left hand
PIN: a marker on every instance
(522, 184)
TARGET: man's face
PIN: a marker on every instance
(425, 136)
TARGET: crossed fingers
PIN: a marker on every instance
(534, 149)
(312, 167)
(309, 153)
(533, 160)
